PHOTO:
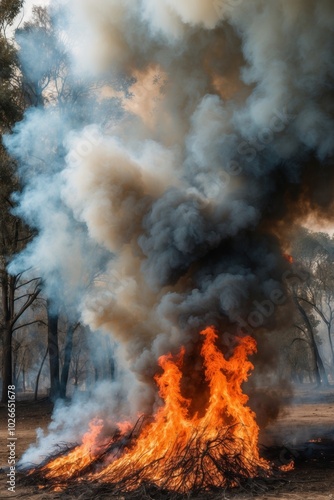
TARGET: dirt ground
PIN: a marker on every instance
(304, 432)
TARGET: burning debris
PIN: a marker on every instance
(174, 216)
(178, 452)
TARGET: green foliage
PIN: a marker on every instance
(11, 110)
(10, 92)
(9, 9)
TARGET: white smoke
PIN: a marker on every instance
(172, 203)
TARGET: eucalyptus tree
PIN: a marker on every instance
(17, 292)
(314, 298)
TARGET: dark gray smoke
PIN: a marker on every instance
(181, 204)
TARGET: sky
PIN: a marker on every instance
(29, 3)
(27, 9)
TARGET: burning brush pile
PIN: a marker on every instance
(175, 452)
(189, 139)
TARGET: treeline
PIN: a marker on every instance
(42, 340)
(308, 344)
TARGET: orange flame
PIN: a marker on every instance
(79, 458)
(288, 257)
(288, 467)
(180, 452)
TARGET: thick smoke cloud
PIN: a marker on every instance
(181, 205)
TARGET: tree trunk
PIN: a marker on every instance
(14, 369)
(7, 307)
(10, 318)
(53, 349)
(111, 362)
(67, 359)
(23, 380)
(329, 324)
(321, 376)
(7, 372)
(39, 374)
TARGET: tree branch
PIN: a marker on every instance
(27, 304)
(30, 323)
(315, 307)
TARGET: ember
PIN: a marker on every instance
(176, 451)
(288, 258)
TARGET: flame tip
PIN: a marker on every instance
(175, 435)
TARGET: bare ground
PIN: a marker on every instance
(304, 432)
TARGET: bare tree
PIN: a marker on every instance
(314, 298)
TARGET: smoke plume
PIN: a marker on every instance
(177, 198)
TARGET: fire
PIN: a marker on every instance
(288, 467)
(182, 452)
(80, 457)
(288, 257)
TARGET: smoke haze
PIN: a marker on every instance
(167, 211)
